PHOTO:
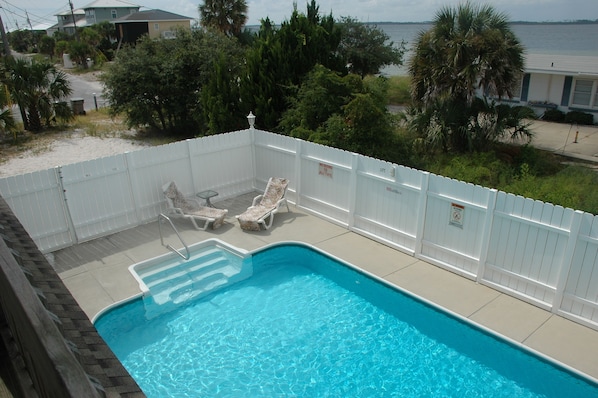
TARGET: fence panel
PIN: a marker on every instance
(580, 297)
(153, 167)
(386, 204)
(99, 196)
(454, 225)
(528, 248)
(223, 163)
(37, 200)
(274, 156)
(529, 239)
(326, 180)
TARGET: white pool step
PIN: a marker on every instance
(180, 281)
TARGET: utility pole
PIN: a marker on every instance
(29, 21)
(7, 52)
(74, 22)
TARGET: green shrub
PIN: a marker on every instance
(579, 118)
(554, 115)
(399, 90)
(567, 188)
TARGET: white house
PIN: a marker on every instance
(561, 82)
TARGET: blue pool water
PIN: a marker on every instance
(306, 325)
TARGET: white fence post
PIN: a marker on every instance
(134, 192)
(193, 179)
(486, 234)
(567, 261)
(353, 190)
(298, 174)
(252, 133)
(421, 214)
(65, 204)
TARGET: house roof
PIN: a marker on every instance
(110, 4)
(561, 64)
(152, 15)
(77, 12)
(43, 26)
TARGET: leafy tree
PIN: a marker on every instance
(107, 44)
(280, 58)
(226, 16)
(61, 47)
(220, 98)
(264, 84)
(7, 122)
(366, 49)
(38, 88)
(158, 83)
(80, 51)
(21, 40)
(344, 112)
(469, 49)
(47, 45)
(322, 94)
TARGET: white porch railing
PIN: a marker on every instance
(536, 251)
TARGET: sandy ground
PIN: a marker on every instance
(72, 148)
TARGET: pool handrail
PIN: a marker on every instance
(168, 246)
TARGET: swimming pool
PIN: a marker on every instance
(305, 324)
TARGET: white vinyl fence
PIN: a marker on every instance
(541, 253)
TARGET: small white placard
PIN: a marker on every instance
(457, 214)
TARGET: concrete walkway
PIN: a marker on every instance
(97, 274)
(575, 141)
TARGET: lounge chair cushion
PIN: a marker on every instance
(249, 219)
(192, 208)
(269, 203)
(274, 193)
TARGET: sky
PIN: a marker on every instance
(23, 13)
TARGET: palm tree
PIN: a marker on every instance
(38, 88)
(227, 16)
(469, 50)
(7, 122)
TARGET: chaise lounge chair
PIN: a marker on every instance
(191, 209)
(265, 206)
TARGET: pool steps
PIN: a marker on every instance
(170, 283)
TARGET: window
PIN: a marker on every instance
(113, 13)
(584, 93)
(516, 87)
(156, 26)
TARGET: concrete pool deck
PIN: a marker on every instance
(97, 275)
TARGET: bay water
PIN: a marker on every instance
(537, 38)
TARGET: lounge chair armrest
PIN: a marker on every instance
(256, 200)
(174, 210)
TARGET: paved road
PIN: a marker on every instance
(83, 88)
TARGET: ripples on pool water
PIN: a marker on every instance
(305, 325)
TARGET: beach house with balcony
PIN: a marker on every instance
(154, 23)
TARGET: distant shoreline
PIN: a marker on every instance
(511, 22)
